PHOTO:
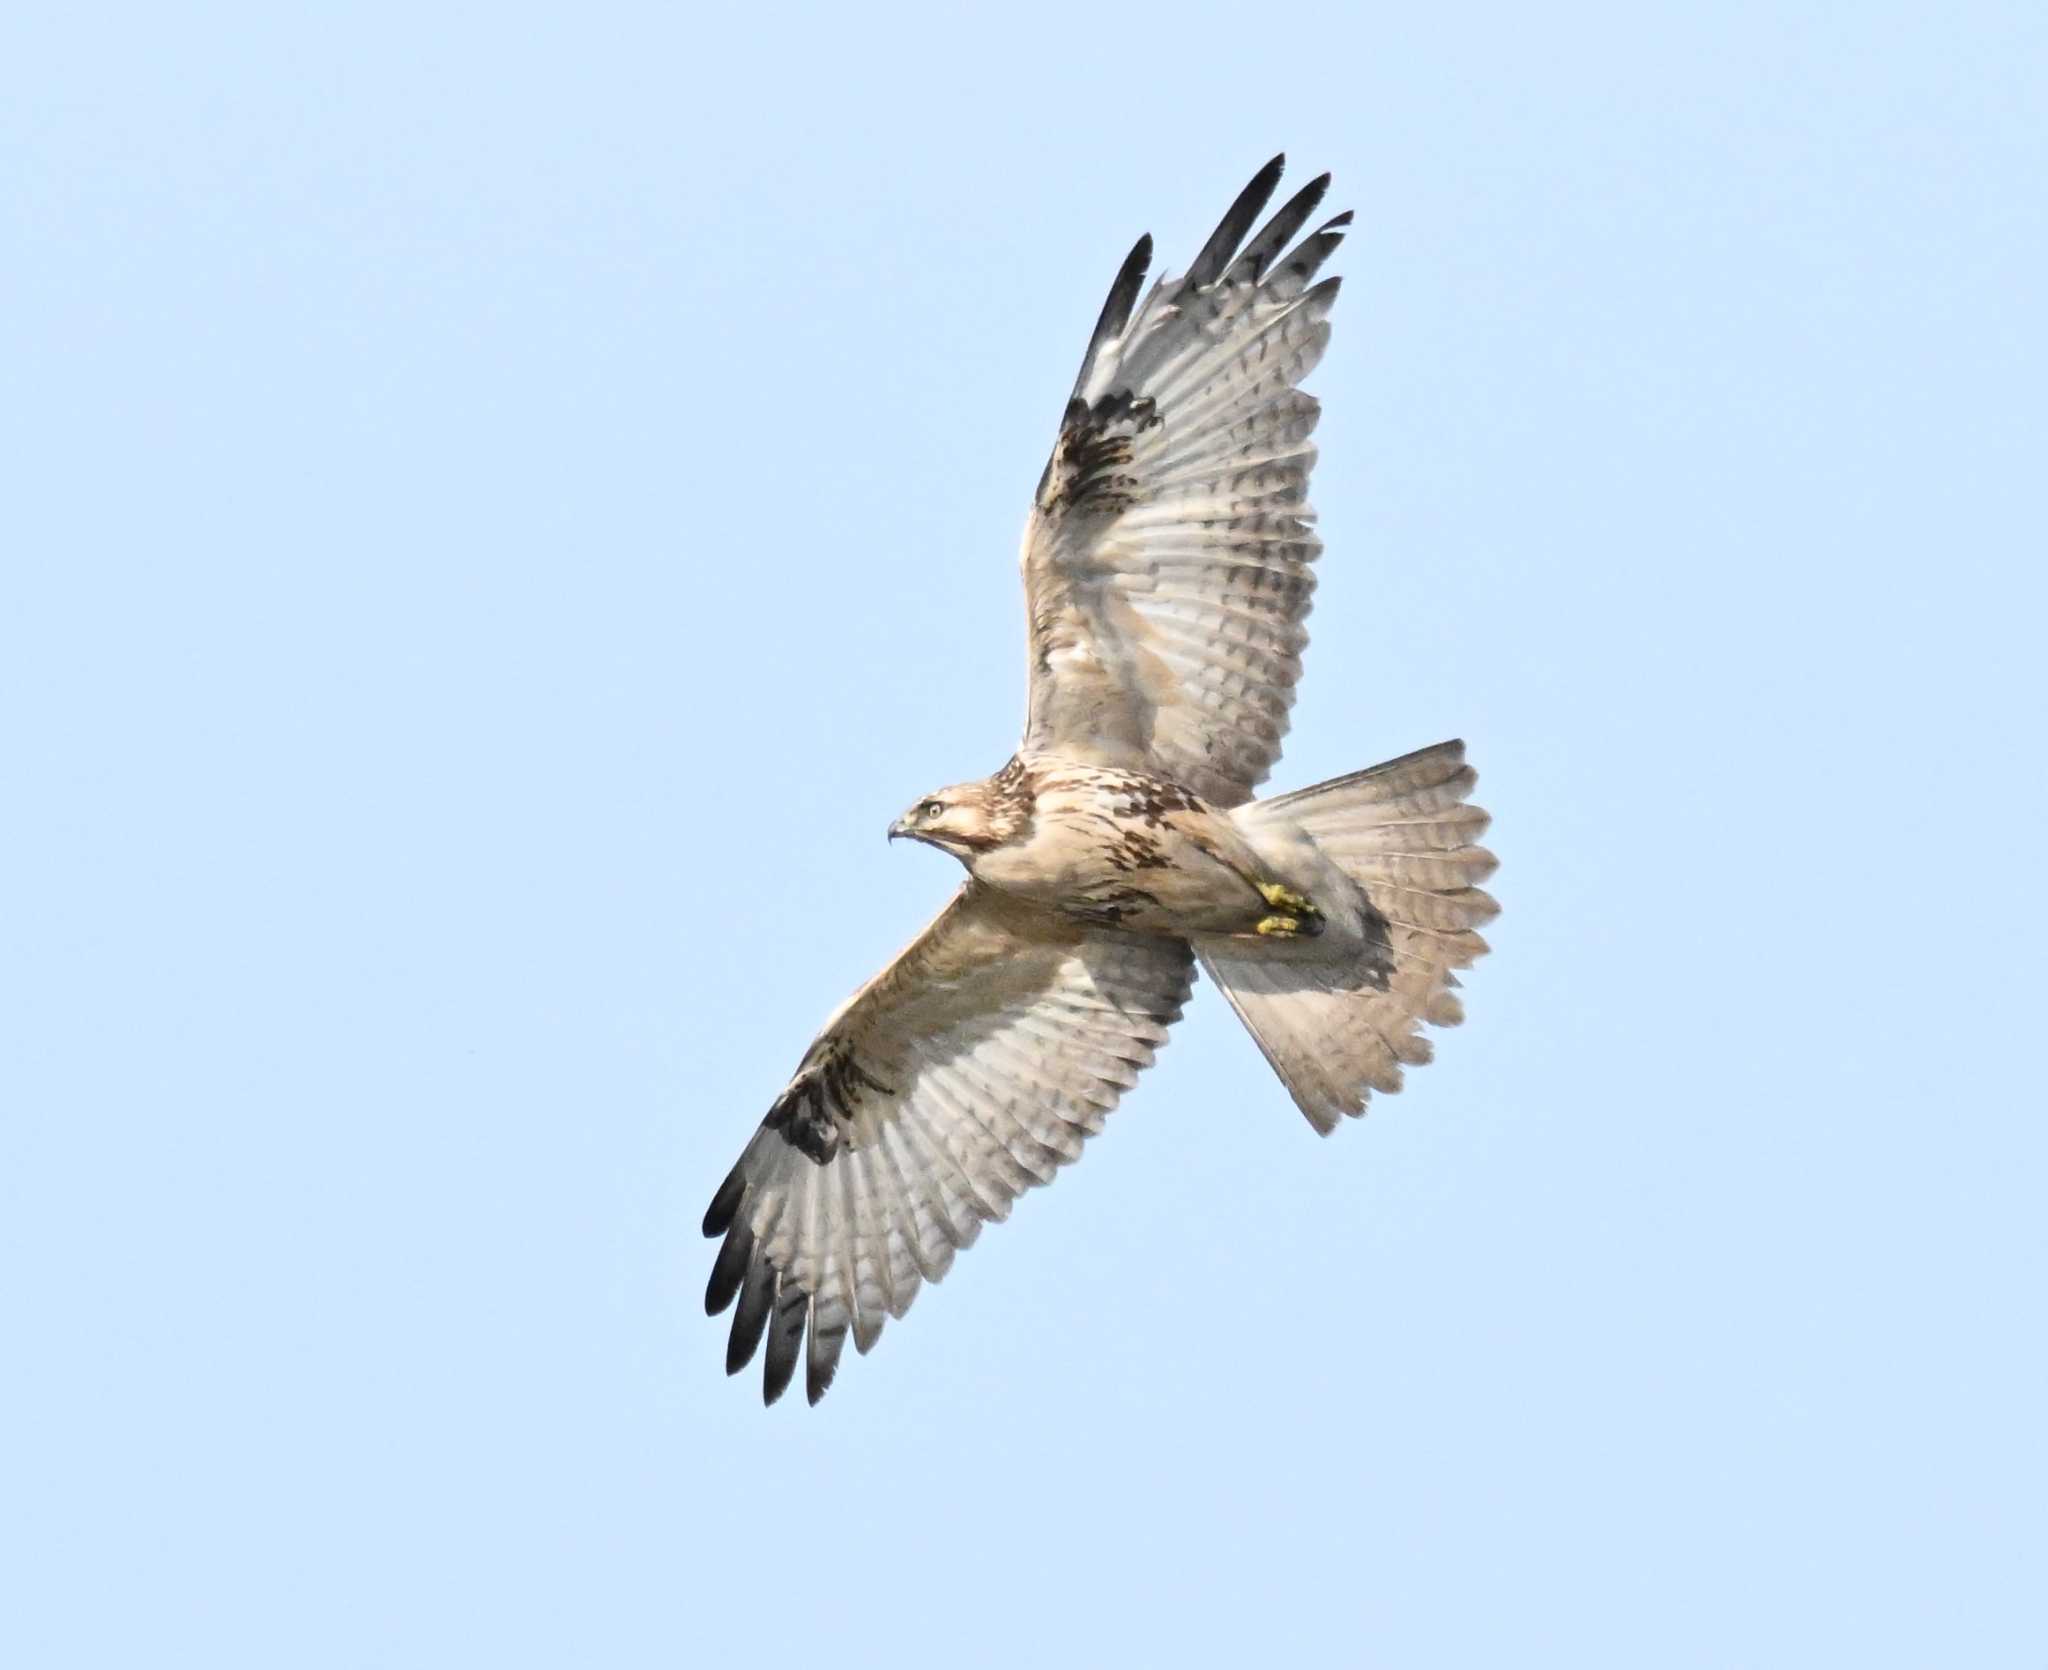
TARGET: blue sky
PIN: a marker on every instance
(501, 507)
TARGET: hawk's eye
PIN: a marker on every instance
(931, 809)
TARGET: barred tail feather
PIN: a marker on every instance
(1340, 1016)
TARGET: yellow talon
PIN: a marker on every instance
(1294, 914)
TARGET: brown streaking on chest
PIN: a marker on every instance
(1133, 849)
(1152, 800)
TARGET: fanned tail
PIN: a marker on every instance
(1389, 853)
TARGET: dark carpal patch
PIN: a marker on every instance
(815, 1113)
(802, 1119)
(1086, 470)
(845, 1078)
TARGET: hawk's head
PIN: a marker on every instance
(965, 820)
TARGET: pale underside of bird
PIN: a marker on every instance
(1166, 565)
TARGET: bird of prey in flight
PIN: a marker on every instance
(1167, 571)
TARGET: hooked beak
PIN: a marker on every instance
(898, 830)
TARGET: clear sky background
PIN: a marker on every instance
(502, 506)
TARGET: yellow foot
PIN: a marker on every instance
(1295, 914)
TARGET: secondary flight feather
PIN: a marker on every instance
(1167, 574)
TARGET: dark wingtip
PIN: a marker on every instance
(1123, 293)
(785, 1336)
(728, 1270)
(1130, 278)
(757, 1299)
(718, 1216)
(1274, 237)
(1116, 307)
(1236, 222)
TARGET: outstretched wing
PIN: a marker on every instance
(1166, 561)
(969, 1070)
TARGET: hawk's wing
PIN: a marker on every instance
(1166, 562)
(964, 1073)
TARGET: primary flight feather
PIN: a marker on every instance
(1167, 573)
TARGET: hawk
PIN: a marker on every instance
(1167, 572)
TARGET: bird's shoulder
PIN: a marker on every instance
(1119, 791)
